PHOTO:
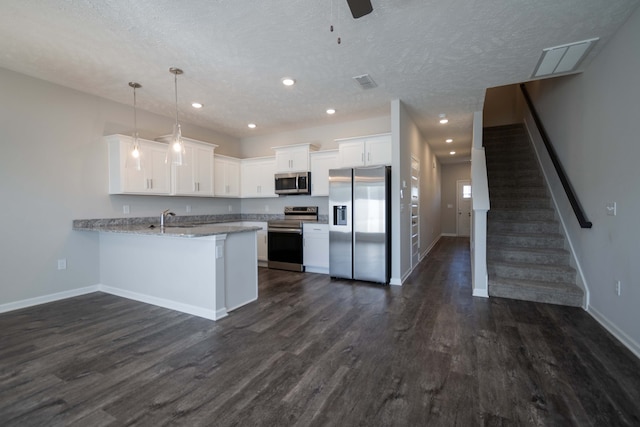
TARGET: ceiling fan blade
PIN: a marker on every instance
(360, 8)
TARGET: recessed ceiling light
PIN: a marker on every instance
(196, 105)
(251, 125)
(288, 81)
(449, 141)
(331, 110)
(452, 152)
(443, 119)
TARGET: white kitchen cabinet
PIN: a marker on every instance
(365, 151)
(316, 247)
(321, 162)
(293, 158)
(226, 176)
(195, 176)
(257, 177)
(154, 178)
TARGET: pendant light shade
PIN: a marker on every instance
(134, 159)
(176, 150)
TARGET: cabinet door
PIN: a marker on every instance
(184, 175)
(321, 162)
(233, 178)
(351, 154)
(378, 150)
(158, 170)
(292, 159)
(316, 247)
(256, 178)
(203, 176)
(263, 245)
(226, 177)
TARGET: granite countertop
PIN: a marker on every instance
(170, 230)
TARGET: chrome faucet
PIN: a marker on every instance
(165, 214)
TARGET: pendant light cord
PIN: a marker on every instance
(175, 84)
(135, 113)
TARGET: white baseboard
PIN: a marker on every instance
(395, 281)
(483, 293)
(449, 235)
(319, 270)
(620, 335)
(30, 302)
(431, 246)
(161, 302)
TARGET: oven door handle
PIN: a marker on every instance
(285, 230)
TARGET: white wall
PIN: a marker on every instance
(451, 173)
(593, 121)
(408, 141)
(53, 169)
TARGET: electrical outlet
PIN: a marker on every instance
(611, 208)
(62, 264)
(188, 209)
(618, 287)
(125, 209)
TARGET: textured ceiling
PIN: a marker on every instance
(437, 56)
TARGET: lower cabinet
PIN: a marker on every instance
(316, 247)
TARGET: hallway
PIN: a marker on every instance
(315, 351)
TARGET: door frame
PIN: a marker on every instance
(458, 195)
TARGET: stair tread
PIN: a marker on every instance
(505, 248)
(516, 234)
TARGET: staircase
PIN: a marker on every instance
(526, 259)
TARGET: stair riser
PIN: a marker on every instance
(532, 273)
(526, 241)
(528, 257)
(517, 193)
(533, 295)
(522, 227)
(511, 174)
(520, 203)
(520, 215)
(515, 182)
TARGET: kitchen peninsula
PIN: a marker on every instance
(202, 269)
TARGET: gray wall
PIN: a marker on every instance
(503, 105)
(451, 173)
(53, 169)
(593, 120)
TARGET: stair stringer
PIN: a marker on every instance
(549, 175)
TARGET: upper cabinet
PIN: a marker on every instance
(258, 177)
(227, 176)
(321, 162)
(154, 176)
(365, 151)
(293, 158)
(195, 176)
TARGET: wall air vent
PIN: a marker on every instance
(562, 59)
(365, 81)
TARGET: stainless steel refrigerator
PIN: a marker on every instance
(359, 223)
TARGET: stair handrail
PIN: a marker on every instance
(571, 195)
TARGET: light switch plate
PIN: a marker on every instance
(611, 208)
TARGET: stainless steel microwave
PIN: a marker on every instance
(293, 183)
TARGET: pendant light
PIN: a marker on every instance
(134, 159)
(176, 151)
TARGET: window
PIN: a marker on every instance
(466, 191)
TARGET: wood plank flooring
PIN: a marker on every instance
(319, 352)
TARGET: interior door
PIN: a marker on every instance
(464, 207)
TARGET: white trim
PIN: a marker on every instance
(396, 282)
(161, 302)
(618, 333)
(319, 270)
(30, 302)
(431, 246)
(242, 304)
(448, 235)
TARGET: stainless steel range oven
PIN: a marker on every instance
(285, 237)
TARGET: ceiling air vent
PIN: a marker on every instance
(365, 81)
(562, 59)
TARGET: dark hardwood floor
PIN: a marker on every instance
(314, 351)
